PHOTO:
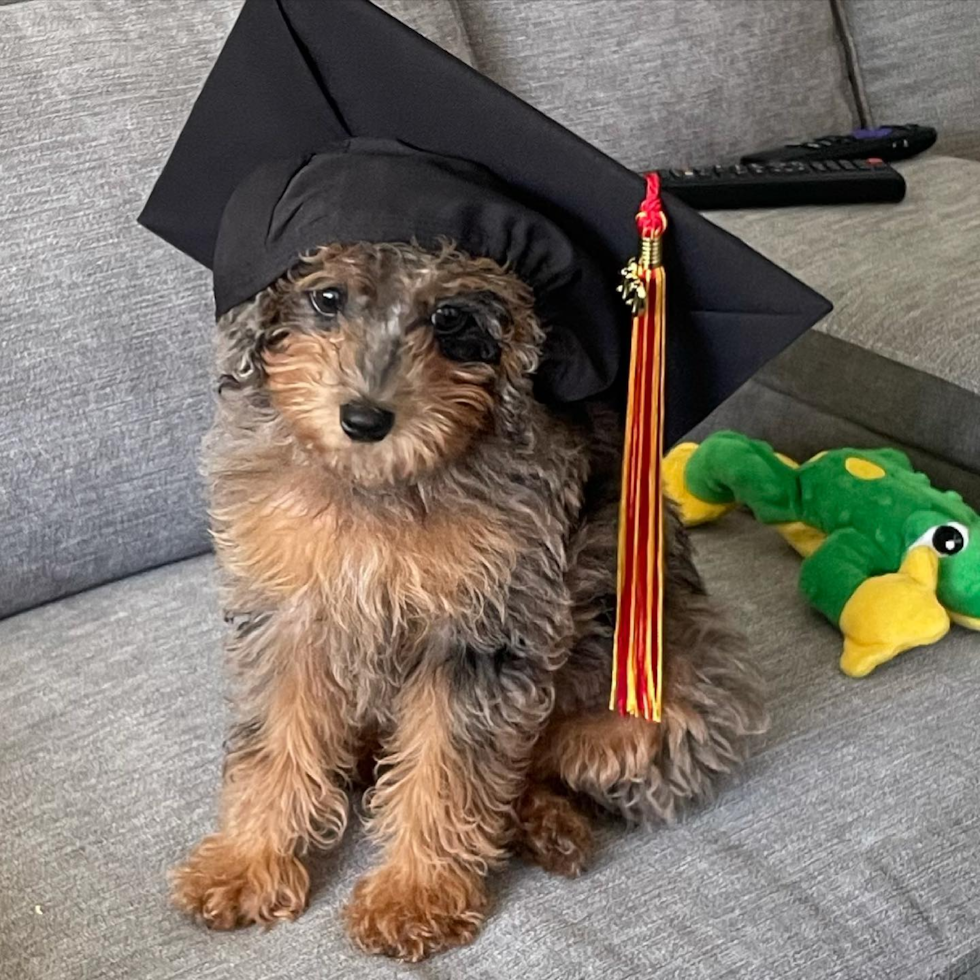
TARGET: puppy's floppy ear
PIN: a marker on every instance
(243, 334)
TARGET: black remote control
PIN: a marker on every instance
(777, 185)
(884, 142)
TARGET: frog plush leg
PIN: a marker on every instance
(880, 615)
(728, 469)
(693, 510)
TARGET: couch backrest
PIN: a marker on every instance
(105, 333)
(918, 62)
(657, 83)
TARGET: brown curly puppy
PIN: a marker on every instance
(419, 555)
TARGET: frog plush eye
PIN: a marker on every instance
(945, 539)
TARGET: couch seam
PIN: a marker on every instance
(903, 443)
(104, 582)
(827, 410)
(460, 21)
(852, 64)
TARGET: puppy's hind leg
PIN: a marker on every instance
(648, 772)
(283, 787)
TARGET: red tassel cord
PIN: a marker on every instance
(638, 643)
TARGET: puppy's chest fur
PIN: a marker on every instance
(364, 566)
(375, 580)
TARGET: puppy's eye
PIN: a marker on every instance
(462, 336)
(327, 302)
(448, 320)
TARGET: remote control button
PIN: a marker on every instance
(872, 134)
(862, 164)
(676, 173)
(688, 174)
(832, 164)
(704, 172)
(876, 161)
(739, 169)
(846, 164)
(819, 166)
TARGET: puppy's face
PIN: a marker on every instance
(386, 361)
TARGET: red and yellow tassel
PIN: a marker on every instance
(638, 643)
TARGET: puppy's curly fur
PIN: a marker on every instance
(445, 592)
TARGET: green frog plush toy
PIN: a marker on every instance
(887, 557)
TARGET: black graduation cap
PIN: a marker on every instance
(333, 122)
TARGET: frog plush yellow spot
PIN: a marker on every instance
(863, 469)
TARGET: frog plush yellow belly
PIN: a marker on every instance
(887, 557)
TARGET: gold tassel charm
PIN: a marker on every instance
(634, 288)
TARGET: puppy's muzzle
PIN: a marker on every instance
(364, 422)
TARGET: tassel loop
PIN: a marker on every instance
(638, 643)
(650, 219)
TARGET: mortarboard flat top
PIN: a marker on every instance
(310, 95)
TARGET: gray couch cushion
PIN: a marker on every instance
(900, 354)
(664, 83)
(105, 331)
(918, 62)
(848, 850)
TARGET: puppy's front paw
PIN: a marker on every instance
(226, 886)
(552, 832)
(393, 913)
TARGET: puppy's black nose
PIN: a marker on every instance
(365, 422)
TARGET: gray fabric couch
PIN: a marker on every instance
(849, 847)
